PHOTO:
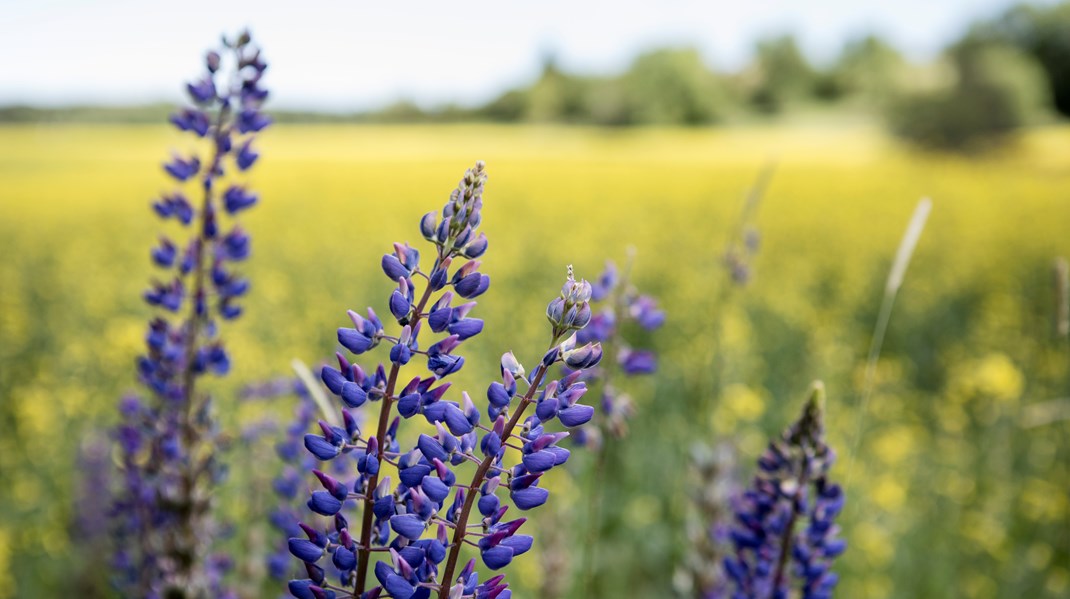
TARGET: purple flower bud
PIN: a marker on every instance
(472, 285)
(456, 420)
(182, 169)
(498, 396)
(414, 475)
(435, 488)
(211, 61)
(394, 268)
(638, 362)
(164, 254)
(234, 245)
(324, 503)
(236, 199)
(400, 354)
(333, 379)
(408, 526)
(251, 121)
(529, 498)
(344, 559)
(399, 305)
(305, 550)
(321, 448)
(444, 365)
(427, 226)
(431, 448)
(497, 557)
(520, 544)
(467, 328)
(191, 120)
(546, 410)
(583, 357)
(439, 319)
(576, 415)
(477, 247)
(301, 589)
(539, 461)
(202, 91)
(353, 395)
(354, 340)
(246, 155)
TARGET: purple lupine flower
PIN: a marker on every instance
(616, 304)
(412, 505)
(288, 483)
(745, 240)
(167, 439)
(785, 538)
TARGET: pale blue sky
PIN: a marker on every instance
(339, 54)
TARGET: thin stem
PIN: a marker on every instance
(785, 536)
(594, 494)
(195, 320)
(891, 291)
(363, 554)
(477, 480)
(594, 515)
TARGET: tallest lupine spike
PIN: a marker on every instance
(164, 513)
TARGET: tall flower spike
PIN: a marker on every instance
(422, 520)
(616, 305)
(163, 512)
(785, 536)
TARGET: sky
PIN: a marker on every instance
(352, 54)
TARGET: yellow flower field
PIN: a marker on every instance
(951, 490)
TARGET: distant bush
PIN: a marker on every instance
(1044, 33)
(671, 86)
(784, 75)
(997, 90)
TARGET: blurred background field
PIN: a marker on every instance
(959, 486)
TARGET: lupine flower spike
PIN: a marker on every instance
(616, 304)
(167, 440)
(415, 515)
(785, 534)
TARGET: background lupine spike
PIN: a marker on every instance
(167, 441)
(785, 537)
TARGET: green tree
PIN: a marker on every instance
(996, 90)
(668, 86)
(869, 68)
(783, 73)
(1044, 33)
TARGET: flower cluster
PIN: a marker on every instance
(167, 440)
(411, 520)
(615, 302)
(785, 536)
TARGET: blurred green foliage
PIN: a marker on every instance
(951, 486)
(1004, 73)
(996, 90)
(1042, 31)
